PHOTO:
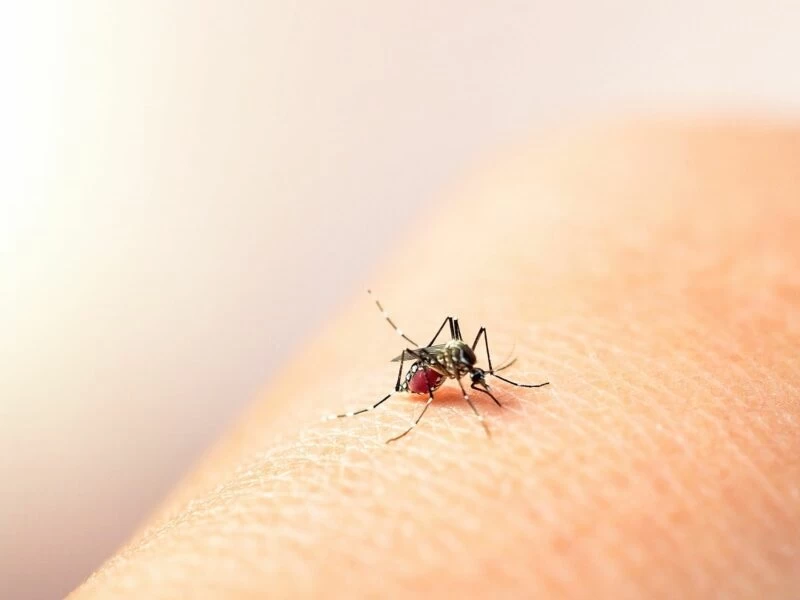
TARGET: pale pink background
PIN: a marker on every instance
(147, 145)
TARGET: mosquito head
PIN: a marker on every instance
(478, 377)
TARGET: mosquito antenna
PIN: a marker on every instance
(389, 320)
(505, 365)
(510, 360)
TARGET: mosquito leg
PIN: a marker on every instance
(475, 410)
(482, 332)
(424, 408)
(456, 330)
(445, 322)
(389, 320)
(358, 412)
(525, 385)
(407, 431)
(400, 372)
(408, 353)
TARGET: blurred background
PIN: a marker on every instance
(188, 189)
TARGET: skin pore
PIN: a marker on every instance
(651, 273)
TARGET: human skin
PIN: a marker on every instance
(651, 273)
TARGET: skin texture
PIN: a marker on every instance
(651, 273)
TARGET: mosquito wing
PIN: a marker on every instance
(430, 350)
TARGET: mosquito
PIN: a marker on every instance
(433, 364)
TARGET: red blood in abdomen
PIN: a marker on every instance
(417, 384)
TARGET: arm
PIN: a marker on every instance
(650, 274)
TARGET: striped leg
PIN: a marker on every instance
(419, 418)
(482, 332)
(525, 385)
(358, 412)
(389, 320)
(407, 431)
(438, 333)
(475, 410)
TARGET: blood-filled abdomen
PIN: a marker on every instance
(418, 385)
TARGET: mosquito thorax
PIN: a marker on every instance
(459, 352)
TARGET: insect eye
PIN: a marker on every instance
(477, 376)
